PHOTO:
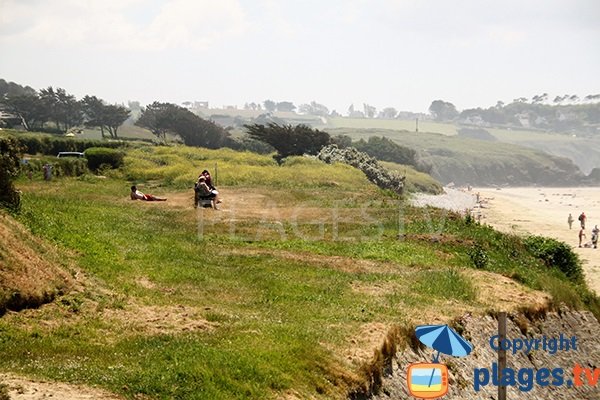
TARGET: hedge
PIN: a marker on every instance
(100, 156)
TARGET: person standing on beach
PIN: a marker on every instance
(582, 219)
(570, 220)
(581, 236)
(595, 233)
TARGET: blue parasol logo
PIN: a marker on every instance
(443, 339)
(430, 380)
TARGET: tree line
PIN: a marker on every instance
(54, 110)
(566, 113)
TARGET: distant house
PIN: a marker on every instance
(523, 119)
(10, 120)
(475, 119)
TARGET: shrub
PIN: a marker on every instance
(372, 169)
(9, 168)
(478, 256)
(97, 156)
(289, 140)
(556, 254)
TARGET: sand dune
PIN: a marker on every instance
(544, 211)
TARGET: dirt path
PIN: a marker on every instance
(21, 388)
(544, 211)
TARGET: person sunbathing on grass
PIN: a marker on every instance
(137, 195)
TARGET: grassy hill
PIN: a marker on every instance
(298, 288)
(477, 162)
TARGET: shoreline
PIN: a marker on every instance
(532, 210)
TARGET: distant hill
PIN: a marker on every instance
(478, 162)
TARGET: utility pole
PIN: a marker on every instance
(501, 354)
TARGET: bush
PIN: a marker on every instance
(556, 254)
(478, 256)
(10, 158)
(371, 168)
(289, 140)
(97, 156)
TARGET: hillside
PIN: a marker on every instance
(288, 292)
(477, 162)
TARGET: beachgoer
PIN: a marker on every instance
(581, 236)
(137, 195)
(582, 219)
(595, 233)
(570, 220)
(208, 178)
(204, 191)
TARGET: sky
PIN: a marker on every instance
(387, 53)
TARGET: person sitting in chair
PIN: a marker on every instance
(203, 191)
(137, 195)
(208, 178)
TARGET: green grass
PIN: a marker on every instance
(393, 124)
(283, 310)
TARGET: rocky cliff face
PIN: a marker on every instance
(464, 372)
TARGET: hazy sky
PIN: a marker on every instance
(399, 53)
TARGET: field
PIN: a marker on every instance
(290, 291)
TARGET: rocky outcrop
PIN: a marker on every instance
(478, 330)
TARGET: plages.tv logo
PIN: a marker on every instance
(430, 380)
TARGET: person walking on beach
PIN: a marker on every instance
(595, 233)
(581, 236)
(570, 220)
(582, 219)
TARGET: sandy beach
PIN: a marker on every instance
(544, 211)
(539, 211)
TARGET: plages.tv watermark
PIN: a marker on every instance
(339, 222)
(431, 380)
(525, 379)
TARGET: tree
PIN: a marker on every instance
(369, 110)
(30, 109)
(538, 99)
(289, 140)
(107, 117)
(114, 116)
(63, 108)
(388, 113)
(286, 106)
(158, 118)
(11, 89)
(443, 111)
(163, 118)
(314, 108)
(270, 105)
